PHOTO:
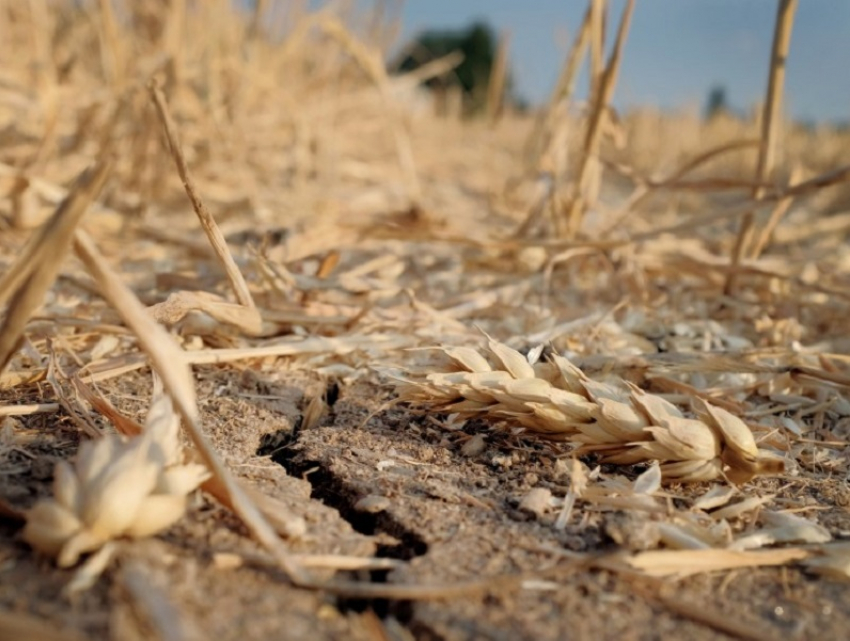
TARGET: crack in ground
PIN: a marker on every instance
(339, 494)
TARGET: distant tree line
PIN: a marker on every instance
(716, 103)
(478, 45)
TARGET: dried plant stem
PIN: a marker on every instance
(431, 69)
(28, 410)
(601, 99)
(40, 33)
(174, 38)
(111, 51)
(702, 613)
(260, 10)
(216, 238)
(593, 182)
(597, 43)
(498, 79)
(776, 215)
(169, 362)
(770, 124)
(646, 188)
(776, 81)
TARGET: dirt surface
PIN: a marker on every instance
(208, 602)
(459, 515)
(365, 230)
(451, 516)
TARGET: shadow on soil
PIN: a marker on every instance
(335, 492)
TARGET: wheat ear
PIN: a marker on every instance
(117, 488)
(620, 422)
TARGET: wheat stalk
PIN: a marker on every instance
(620, 422)
(770, 123)
(603, 84)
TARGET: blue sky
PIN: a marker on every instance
(676, 50)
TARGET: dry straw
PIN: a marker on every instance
(620, 422)
(745, 243)
(604, 83)
(25, 284)
(343, 135)
(208, 223)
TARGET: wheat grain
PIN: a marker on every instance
(620, 422)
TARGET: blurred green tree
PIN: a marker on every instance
(478, 45)
(717, 102)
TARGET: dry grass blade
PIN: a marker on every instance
(311, 345)
(78, 414)
(621, 423)
(770, 125)
(779, 210)
(211, 229)
(260, 9)
(124, 425)
(27, 281)
(26, 410)
(338, 346)
(831, 560)
(423, 592)
(170, 363)
(111, 48)
(776, 82)
(205, 313)
(646, 188)
(337, 562)
(432, 69)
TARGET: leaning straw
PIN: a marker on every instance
(597, 43)
(216, 238)
(590, 151)
(26, 282)
(167, 358)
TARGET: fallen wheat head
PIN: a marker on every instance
(117, 487)
(622, 423)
